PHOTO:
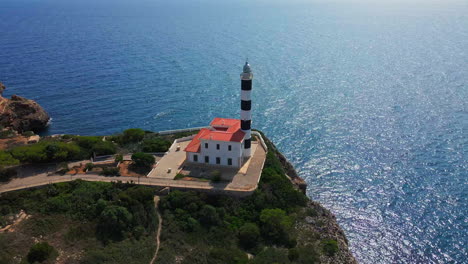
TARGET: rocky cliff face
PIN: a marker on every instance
(321, 223)
(21, 114)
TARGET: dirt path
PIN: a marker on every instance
(158, 234)
(10, 228)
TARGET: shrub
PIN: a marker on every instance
(276, 225)
(7, 134)
(118, 158)
(179, 176)
(113, 171)
(215, 176)
(156, 144)
(104, 148)
(6, 159)
(330, 247)
(89, 166)
(28, 134)
(271, 255)
(7, 174)
(143, 160)
(227, 255)
(132, 135)
(248, 235)
(311, 212)
(293, 254)
(138, 232)
(48, 151)
(41, 252)
(114, 222)
(209, 216)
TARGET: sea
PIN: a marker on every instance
(368, 99)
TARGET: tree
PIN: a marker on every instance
(143, 160)
(41, 252)
(132, 135)
(209, 215)
(276, 225)
(248, 235)
(114, 222)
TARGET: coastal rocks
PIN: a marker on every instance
(321, 224)
(21, 114)
(2, 88)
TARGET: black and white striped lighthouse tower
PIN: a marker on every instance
(246, 107)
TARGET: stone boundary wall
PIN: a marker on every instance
(262, 142)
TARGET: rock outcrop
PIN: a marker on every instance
(21, 114)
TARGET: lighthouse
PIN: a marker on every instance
(246, 107)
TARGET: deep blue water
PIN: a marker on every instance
(369, 101)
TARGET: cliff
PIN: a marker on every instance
(318, 221)
(21, 114)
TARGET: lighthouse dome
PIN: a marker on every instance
(247, 67)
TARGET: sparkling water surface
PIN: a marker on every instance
(369, 101)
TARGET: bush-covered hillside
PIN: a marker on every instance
(89, 222)
(277, 224)
(84, 222)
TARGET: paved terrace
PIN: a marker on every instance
(243, 185)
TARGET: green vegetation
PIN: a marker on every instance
(6, 133)
(215, 176)
(48, 151)
(119, 158)
(27, 134)
(110, 171)
(41, 252)
(155, 144)
(179, 176)
(89, 166)
(6, 159)
(6, 174)
(54, 150)
(249, 235)
(276, 225)
(132, 135)
(115, 222)
(330, 247)
(261, 224)
(143, 160)
(111, 222)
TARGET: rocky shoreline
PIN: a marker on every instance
(21, 114)
(321, 221)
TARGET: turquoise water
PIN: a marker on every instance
(369, 101)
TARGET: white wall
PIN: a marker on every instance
(235, 154)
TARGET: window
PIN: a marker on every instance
(218, 160)
(217, 146)
(229, 147)
(195, 158)
(206, 145)
(207, 159)
(229, 161)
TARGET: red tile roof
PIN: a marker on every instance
(222, 129)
